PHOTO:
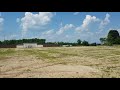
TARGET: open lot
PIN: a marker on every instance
(61, 62)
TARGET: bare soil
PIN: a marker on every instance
(59, 62)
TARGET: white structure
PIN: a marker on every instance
(19, 46)
(67, 45)
(29, 45)
(39, 46)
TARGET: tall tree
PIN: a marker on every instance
(79, 42)
(85, 43)
(112, 37)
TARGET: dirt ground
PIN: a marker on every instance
(60, 62)
(30, 67)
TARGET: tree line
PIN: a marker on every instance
(78, 43)
(112, 38)
(43, 41)
(21, 41)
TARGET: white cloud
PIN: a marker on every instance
(52, 35)
(79, 28)
(61, 24)
(76, 13)
(89, 27)
(33, 21)
(65, 28)
(92, 28)
(49, 32)
(86, 22)
(105, 22)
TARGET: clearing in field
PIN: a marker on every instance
(61, 62)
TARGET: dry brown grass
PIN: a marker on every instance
(61, 62)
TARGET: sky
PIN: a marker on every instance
(58, 26)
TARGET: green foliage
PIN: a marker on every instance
(113, 37)
(21, 41)
(85, 43)
(109, 44)
(103, 40)
(117, 41)
(93, 44)
(0, 42)
(79, 42)
(42, 41)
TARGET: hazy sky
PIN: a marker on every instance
(58, 26)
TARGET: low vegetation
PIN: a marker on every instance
(83, 61)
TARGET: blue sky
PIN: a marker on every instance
(58, 26)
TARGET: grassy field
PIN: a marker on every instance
(61, 62)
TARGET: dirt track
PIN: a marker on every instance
(30, 67)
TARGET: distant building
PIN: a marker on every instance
(67, 45)
(39, 46)
(19, 46)
(29, 45)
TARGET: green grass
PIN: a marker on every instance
(5, 53)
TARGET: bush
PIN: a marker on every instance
(93, 44)
(85, 43)
(109, 44)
